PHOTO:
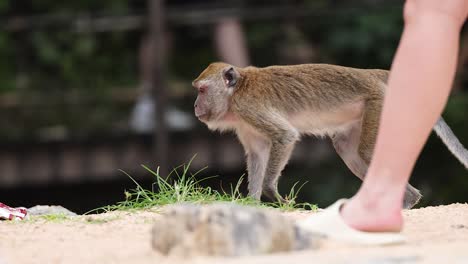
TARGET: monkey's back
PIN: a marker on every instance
(326, 85)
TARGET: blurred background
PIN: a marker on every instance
(90, 87)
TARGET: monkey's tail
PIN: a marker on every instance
(451, 141)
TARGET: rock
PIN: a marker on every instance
(50, 210)
(226, 229)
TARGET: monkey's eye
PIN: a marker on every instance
(202, 89)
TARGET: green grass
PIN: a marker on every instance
(182, 186)
(60, 217)
(55, 218)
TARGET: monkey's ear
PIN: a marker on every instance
(230, 76)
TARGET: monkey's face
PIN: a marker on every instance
(215, 86)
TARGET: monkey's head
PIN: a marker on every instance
(215, 86)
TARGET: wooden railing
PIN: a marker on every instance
(97, 159)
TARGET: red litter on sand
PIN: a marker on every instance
(10, 213)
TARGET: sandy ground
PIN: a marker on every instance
(435, 235)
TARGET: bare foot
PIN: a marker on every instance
(371, 216)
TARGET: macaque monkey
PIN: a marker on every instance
(270, 108)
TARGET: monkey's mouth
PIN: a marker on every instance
(203, 117)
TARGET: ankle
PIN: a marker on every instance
(381, 193)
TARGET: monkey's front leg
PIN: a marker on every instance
(280, 137)
(256, 165)
(280, 153)
(257, 149)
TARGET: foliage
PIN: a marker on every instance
(76, 72)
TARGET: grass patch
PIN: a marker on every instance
(60, 217)
(56, 218)
(181, 185)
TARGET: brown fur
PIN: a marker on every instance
(270, 108)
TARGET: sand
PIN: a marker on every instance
(435, 235)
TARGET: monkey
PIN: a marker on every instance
(271, 108)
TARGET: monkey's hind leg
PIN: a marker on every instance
(356, 146)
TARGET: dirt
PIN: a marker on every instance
(435, 235)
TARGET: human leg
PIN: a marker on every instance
(418, 87)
